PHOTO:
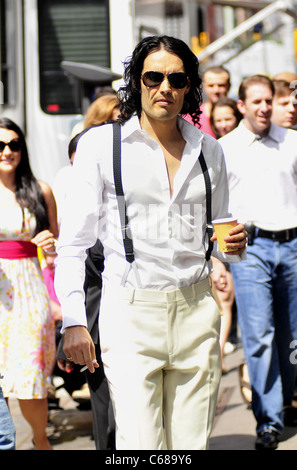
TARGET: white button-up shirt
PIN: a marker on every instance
(262, 176)
(168, 230)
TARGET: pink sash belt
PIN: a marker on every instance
(17, 249)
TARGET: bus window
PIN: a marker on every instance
(71, 30)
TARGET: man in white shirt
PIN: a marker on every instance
(159, 324)
(284, 109)
(261, 161)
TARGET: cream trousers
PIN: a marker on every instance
(162, 360)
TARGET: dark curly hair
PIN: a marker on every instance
(28, 192)
(130, 96)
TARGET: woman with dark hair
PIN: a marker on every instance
(224, 116)
(27, 335)
(130, 94)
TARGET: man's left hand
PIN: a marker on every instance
(236, 240)
(79, 347)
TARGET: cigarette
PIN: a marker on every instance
(86, 367)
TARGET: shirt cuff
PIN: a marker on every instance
(73, 311)
(226, 258)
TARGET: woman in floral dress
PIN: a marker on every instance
(28, 220)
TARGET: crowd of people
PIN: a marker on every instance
(165, 293)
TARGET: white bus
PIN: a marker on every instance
(45, 45)
(41, 40)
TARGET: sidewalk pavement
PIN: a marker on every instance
(234, 426)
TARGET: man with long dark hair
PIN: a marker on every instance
(159, 324)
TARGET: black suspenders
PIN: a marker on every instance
(126, 233)
(209, 227)
(117, 173)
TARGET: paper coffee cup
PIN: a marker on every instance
(222, 228)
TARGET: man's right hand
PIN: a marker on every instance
(79, 347)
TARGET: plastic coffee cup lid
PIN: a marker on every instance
(224, 221)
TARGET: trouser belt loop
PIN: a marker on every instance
(210, 281)
(132, 293)
(194, 292)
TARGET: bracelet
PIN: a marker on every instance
(49, 252)
(54, 242)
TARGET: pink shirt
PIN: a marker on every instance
(204, 122)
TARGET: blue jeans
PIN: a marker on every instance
(266, 296)
(7, 429)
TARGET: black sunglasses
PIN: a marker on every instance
(14, 145)
(176, 79)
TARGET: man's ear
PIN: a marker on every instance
(188, 87)
(241, 106)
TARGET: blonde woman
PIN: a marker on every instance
(103, 109)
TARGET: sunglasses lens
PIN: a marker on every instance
(151, 79)
(178, 79)
(14, 145)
